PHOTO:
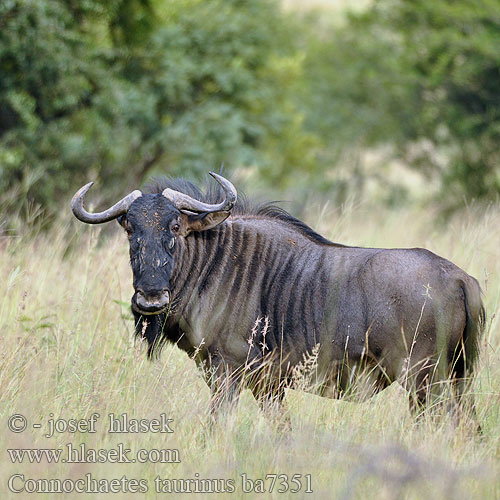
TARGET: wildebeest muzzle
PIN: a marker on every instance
(150, 301)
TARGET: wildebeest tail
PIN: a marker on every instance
(467, 353)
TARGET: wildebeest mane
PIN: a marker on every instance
(244, 206)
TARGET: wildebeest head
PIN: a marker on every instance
(154, 222)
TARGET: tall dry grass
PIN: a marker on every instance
(67, 349)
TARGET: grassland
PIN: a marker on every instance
(67, 350)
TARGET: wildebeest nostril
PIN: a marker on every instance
(152, 301)
(151, 293)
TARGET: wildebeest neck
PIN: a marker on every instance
(246, 269)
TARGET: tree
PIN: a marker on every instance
(421, 77)
(120, 90)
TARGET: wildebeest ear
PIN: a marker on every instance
(202, 222)
(122, 220)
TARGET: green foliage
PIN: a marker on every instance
(119, 90)
(453, 51)
(123, 89)
(57, 113)
(422, 77)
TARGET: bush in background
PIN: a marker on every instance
(120, 90)
(420, 79)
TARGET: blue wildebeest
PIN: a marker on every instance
(241, 286)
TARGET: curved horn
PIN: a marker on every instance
(111, 213)
(184, 202)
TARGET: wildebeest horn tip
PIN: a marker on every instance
(119, 208)
(185, 202)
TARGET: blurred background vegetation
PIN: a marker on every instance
(395, 101)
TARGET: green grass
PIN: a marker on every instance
(67, 349)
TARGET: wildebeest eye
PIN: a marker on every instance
(175, 228)
(126, 225)
(122, 220)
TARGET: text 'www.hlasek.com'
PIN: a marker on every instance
(73, 453)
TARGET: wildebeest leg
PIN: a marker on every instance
(270, 398)
(458, 404)
(419, 385)
(451, 395)
(417, 402)
(355, 382)
(225, 387)
(462, 403)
